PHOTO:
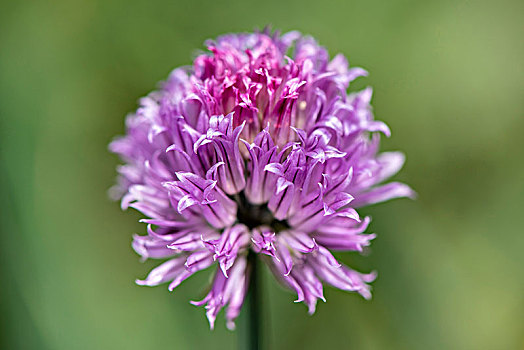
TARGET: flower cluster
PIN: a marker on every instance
(256, 149)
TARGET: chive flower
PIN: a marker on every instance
(257, 148)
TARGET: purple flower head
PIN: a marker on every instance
(256, 149)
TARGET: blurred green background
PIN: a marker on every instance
(448, 79)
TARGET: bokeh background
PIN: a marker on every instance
(448, 78)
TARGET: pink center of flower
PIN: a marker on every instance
(258, 84)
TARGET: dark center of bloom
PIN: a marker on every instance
(253, 215)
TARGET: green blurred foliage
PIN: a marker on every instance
(448, 79)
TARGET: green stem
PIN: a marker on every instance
(252, 305)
